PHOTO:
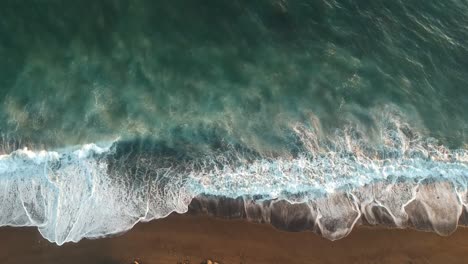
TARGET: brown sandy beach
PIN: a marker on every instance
(192, 239)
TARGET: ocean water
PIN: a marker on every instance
(114, 112)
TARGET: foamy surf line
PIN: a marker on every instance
(95, 191)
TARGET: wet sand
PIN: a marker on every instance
(192, 239)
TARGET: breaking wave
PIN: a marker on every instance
(97, 189)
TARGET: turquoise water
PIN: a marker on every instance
(231, 98)
(243, 71)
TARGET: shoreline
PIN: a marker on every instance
(194, 238)
(78, 194)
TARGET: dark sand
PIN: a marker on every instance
(180, 238)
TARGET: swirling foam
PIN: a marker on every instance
(88, 193)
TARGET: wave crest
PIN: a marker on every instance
(338, 180)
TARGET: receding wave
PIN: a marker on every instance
(325, 183)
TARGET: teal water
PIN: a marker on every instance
(231, 98)
(74, 73)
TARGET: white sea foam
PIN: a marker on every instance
(70, 195)
(74, 194)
